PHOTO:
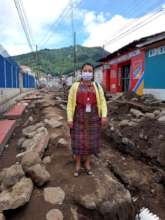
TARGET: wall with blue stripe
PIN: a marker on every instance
(9, 75)
(28, 81)
(154, 71)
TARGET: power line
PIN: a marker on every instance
(52, 26)
(26, 21)
(23, 23)
(57, 21)
(139, 25)
(131, 22)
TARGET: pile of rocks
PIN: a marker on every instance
(15, 188)
(35, 138)
(34, 168)
(137, 128)
(16, 182)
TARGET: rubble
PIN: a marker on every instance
(54, 195)
(46, 160)
(10, 176)
(38, 174)
(35, 138)
(137, 136)
(62, 142)
(136, 113)
(108, 197)
(54, 214)
(30, 159)
(123, 178)
(18, 195)
(32, 128)
(162, 118)
(53, 123)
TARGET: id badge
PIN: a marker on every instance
(88, 108)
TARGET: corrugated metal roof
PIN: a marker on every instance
(137, 43)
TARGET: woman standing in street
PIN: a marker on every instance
(86, 113)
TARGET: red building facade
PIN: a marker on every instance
(124, 72)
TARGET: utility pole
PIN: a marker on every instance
(74, 37)
(75, 54)
(103, 50)
(37, 62)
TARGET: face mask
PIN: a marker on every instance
(87, 75)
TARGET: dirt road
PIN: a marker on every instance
(118, 173)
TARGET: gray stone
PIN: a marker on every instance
(63, 106)
(30, 159)
(2, 217)
(54, 214)
(38, 174)
(150, 115)
(124, 123)
(74, 213)
(47, 160)
(27, 144)
(17, 196)
(53, 123)
(31, 129)
(21, 155)
(135, 99)
(136, 113)
(31, 119)
(162, 113)
(10, 176)
(20, 141)
(108, 198)
(42, 130)
(88, 201)
(128, 142)
(54, 195)
(132, 123)
(30, 144)
(62, 143)
(156, 112)
(42, 145)
(161, 137)
(54, 137)
(161, 119)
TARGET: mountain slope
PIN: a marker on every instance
(57, 61)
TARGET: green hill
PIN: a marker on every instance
(57, 61)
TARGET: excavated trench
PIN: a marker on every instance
(136, 174)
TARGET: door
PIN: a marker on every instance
(125, 78)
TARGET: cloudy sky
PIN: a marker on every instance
(112, 23)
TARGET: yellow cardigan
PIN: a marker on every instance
(101, 102)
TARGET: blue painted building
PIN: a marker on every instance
(9, 73)
(12, 78)
(154, 67)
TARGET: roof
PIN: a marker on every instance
(145, 41)
(98, 65)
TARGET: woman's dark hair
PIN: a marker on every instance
(88, 64)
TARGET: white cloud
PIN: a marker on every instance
(40, 15)
(98, 27)
(100, 33)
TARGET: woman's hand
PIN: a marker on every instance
(104, 121)
(70, 124)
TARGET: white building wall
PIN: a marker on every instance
(158, 93)
(99, 75)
